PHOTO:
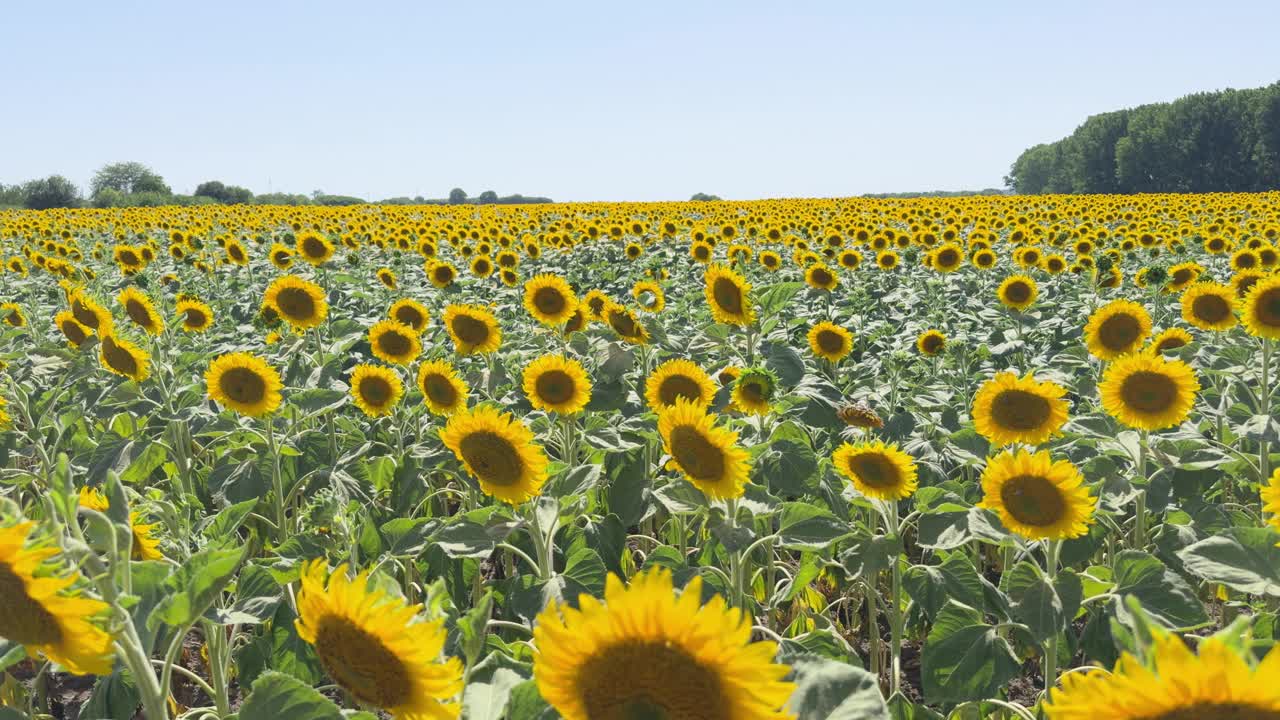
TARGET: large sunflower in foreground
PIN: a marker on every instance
(394, 342)
(38, 612)
(1209, 306)
(75, 332)
(1148, 391)
(499, 452)
(708, 456)
(549, 299)
(1215, 683)
(375, 389)
(1009, 409)
(647, 653)
(300, 302)
(1262, 308)
(1117, 328)
(728, 296)
(375, 646)
(473, 328)
(877, 470)
(443, 391)
(1036, 497)
(1017, 292)
(141, 310)
(124, 358)
(676, 379)
(830, 341)
(555, 383)
(244, 383)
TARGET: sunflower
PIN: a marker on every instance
(646, 653)
(244, 383)
(93, 499)
(1182, 275)
(1169, 340)
(1209, 306)
(649, 296)
(1009, 409)
(555, 383)
(481, 266)
(375, 389)
(1262, 308)
(146, 546)
(236, 253)
(499, 452)
(1036, 497)
(931, 342)
(770, 260)
(984, 259)
(314, 248)
(860, 415)
(375, 646)
(124, 358)
(549, 299)
(387, 277)
(196, 315)
(887, 260)
(473, 328)
(300, 302)
(728, 296)
(394, 342)
(140, 310)
(708, 456)
(408, 311)
(753, 391)
(1018, 292)
(947, 258)
(676, 379)
(1243, 282)
(88, 312)
(1214, 683)
(441, 274)
(72, 330)
(820, 277)
(1149, 392)
(443, 391)
(830, 341)
(281, 256)
(38, 613)
(877, 470)
(624, 323)
(596, 301)
(1117, 328)
(576, 322)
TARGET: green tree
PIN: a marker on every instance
(54, 191)
(457, 196)
(127, 178)
(488, 197)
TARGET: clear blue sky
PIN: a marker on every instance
(586, 101)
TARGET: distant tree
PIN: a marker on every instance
(127, 178)
(54, 191)
(703, 197)
(225, 194)
(488, 197)
(211, 188)
(337, 200)
(457, 196)
(12, 196)
(281, 199)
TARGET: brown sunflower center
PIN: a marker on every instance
(821, 277)
(361, 664)
(138, 313)
(1119, 332)
(555, 387)
(623, 324)
(549, 301)
(1173, 342)
(119, 358)
(280, 257)
(697, 456)
(194, 317)
(1267, 308)
(411, 316)
(830, 341)
(470, 330)
(236, 253)
(296, 303)
(1033, 500)
(650, 681)
(74, 331)
(1182, 276)
(493, 458)
(24, 620)
(596, 304)
(243, 385)
(947, 258)
(1018, 292)
(674, 387)
(439, 389)
(875, 470)
(932, 344)
(314, 247)
(727, 295)
(394, 343)
(442, 275)
(753, 392)
(375, 390)
(1149, 392)
(1020, 410)
(85, 315)
(1218, 711)
(1211, 308)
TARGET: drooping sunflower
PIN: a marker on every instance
(708, 456)
(753, 390)
(647, 653)
(281, 256)
(375, 646)
(549, 299)
(394, 342)
(1037, 497)
(820, 277)
(146, 546)
(300, 302)
(676, 379)
(648, 295)
(72, 330)
(1118, 328)
(1214, 683)
(375, 389)
(877, 470)
(195, 315)
(555, 383)
(577, 321)
(1009, 409)
(1018, 292)
(88, 312)
(1262, 308)
(410, 312)
(1169, 340)
(1149, 392)
(473, 328)
(499, 452)
(123, 357)
(314, 248)
(244, 383)
(12, 314)
(140, 310)
(1209, 306)
(729, 296)
(41, 612)
(931, 342)
(625, 324)
(830, 341)
(387, 277)
(443, 391)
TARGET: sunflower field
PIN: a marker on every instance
(857, 459)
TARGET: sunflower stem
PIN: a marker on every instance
(277, 483)
(1264, 447)
(1140, 509)
(1051, 645)
(895, 607)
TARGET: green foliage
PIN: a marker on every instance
(127, 178)
(54, 191)
(224, 194)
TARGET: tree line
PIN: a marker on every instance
(1225, 141)
(133, 184)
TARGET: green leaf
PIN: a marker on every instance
(406, 537)
(1036, 602)
(196, 586)
(945, 527)
(1244, 559)
(114, 696)
(776, 296)
(489, 687)
(585, 567)
(227, 522)
(11, 653)
(809, 527)
(785, 361)
(526, 703)
(868, 555)
(1162, 592)
(464, 539)
(931, 586)
(473, 628)
(964, 658)
(276, 696)
(830, 690)
(628, 481)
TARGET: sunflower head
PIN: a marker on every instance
(754, 390)
(931, 342)
(1017, 292)
(1009, 409)
(1118, 328)
(1036, 497)
(1209, 306)
(244, 383)
(1169, 340)
(1148, 391)
(1262, 308)
(394, 342)
(877, 470)
(139, 308)
(728, 296)
(555, 383)
(194, 314)
(408, 311)
(549, 299)
(820, 277)
(473, 328)
(595, 301)
(707, 455)
(830, 341)
(314, 248)
(625, 324)
(375, 390)
(300, 302)
(677, 379)
(649, 296)
(124, 358)
(443, 391)
(12, 314)
(499, 452)
(72, 329)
